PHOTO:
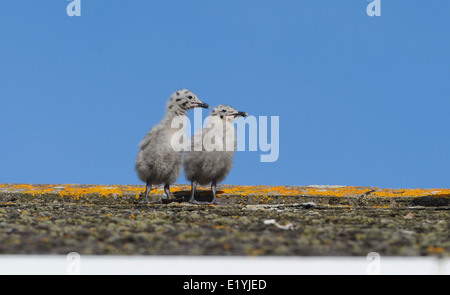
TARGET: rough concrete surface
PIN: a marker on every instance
(258, 220)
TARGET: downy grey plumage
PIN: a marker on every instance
(210, 157)
(157, 161)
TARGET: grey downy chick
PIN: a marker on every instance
(157, 161)
(210, 157)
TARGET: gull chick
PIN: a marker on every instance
(207, 162)
(157, 161)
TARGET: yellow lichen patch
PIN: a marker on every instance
(180, 188)
(332, 191)
(44, 218)
(336, 191)
(103, 191)
(72, 190)
(436, 250)
(386, 193)
(339, 191)
(266, 194)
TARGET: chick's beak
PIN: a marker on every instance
(202, 105)
(240, 114)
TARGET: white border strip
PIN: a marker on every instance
(218, 265)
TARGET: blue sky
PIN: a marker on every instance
(361, 100)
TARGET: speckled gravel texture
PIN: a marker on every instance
(50, 224)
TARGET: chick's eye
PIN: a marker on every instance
(190, 97)
(223, 111)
